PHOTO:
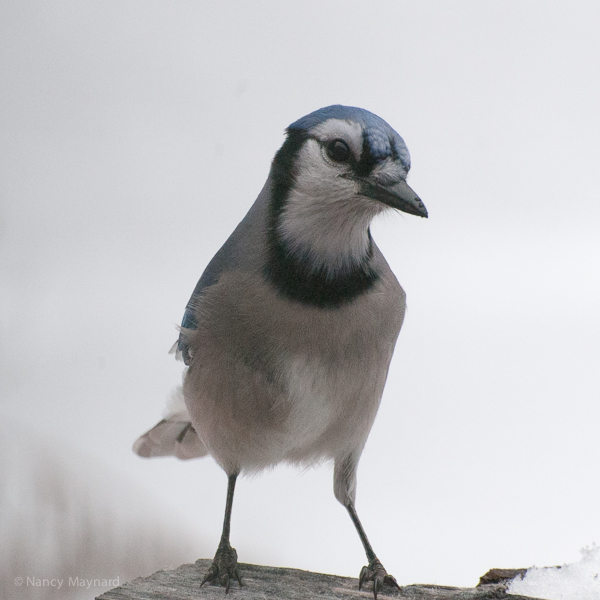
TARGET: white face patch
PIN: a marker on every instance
(348, 131)
(325, 219)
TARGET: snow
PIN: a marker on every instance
(577, 581)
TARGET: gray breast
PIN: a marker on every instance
(293, 382)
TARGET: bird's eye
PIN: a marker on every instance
(338, 150)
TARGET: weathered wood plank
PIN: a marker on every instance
(270, 583)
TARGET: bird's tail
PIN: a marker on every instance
(173, 436)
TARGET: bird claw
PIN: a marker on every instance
(378, 575)
(223, 569)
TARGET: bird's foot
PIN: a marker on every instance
(224, 568)
(378, 575)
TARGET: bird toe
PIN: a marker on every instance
(376, 573)
(224, 568)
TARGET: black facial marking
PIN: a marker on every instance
(367, 160)
(293, 275)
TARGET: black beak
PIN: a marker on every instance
(397, 195)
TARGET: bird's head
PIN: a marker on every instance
(338, 168)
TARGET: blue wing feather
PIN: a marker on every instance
(236, 252)
(209, 277)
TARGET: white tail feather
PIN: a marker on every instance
(173, 436)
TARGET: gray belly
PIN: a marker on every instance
(271, 381)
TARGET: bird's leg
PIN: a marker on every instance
(374, 571)
(224, 566)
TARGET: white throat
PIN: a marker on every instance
(325, 220)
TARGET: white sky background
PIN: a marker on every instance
(135, 136)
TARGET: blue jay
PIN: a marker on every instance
(289, 333)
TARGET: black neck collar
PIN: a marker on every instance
(292, 274)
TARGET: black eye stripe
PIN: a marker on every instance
(367, 160)
(338, 150)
